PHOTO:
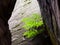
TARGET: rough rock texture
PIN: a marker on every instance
(22, 9)
(50, 13)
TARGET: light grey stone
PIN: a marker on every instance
(21, 10)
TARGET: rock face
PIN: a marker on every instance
(23, 8)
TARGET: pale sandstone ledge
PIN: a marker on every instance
(23, 8)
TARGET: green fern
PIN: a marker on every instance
(30, 23)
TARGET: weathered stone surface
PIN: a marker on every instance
(23, 8)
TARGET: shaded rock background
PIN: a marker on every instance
(23, 8)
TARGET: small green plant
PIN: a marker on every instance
(31, 24)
